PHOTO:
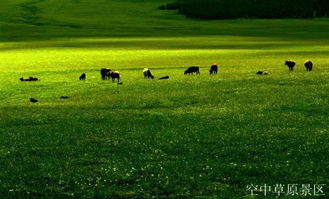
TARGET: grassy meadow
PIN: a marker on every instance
(186, 137)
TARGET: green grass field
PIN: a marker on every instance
(186, 137)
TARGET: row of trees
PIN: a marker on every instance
(225, 9)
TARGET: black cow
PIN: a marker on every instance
(30, 79)
(82, 76)
(261, 73)
(213, 69)
(291, 64)
(33, 100)
(308, 65)
(104, 73)
(165, 77)
(192, 69)
(147, 73)
(114, 75)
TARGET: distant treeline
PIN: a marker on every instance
(226, 9)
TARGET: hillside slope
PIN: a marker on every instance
(48, 18)
(44, 19)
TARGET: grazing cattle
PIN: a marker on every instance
(165, 77)
(290, 64)
(114, 75)
(308, 65)
(30, 79)
(33, 100)
(64, 97)
(213, 69)
(147, 73)
(261, 73)
(82, 76)
(192, 69)
(104, 73)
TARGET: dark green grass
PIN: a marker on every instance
(270, 9)
(186, 137)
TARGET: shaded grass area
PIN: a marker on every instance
(191, 136)
(49, 19)
(266, 9)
